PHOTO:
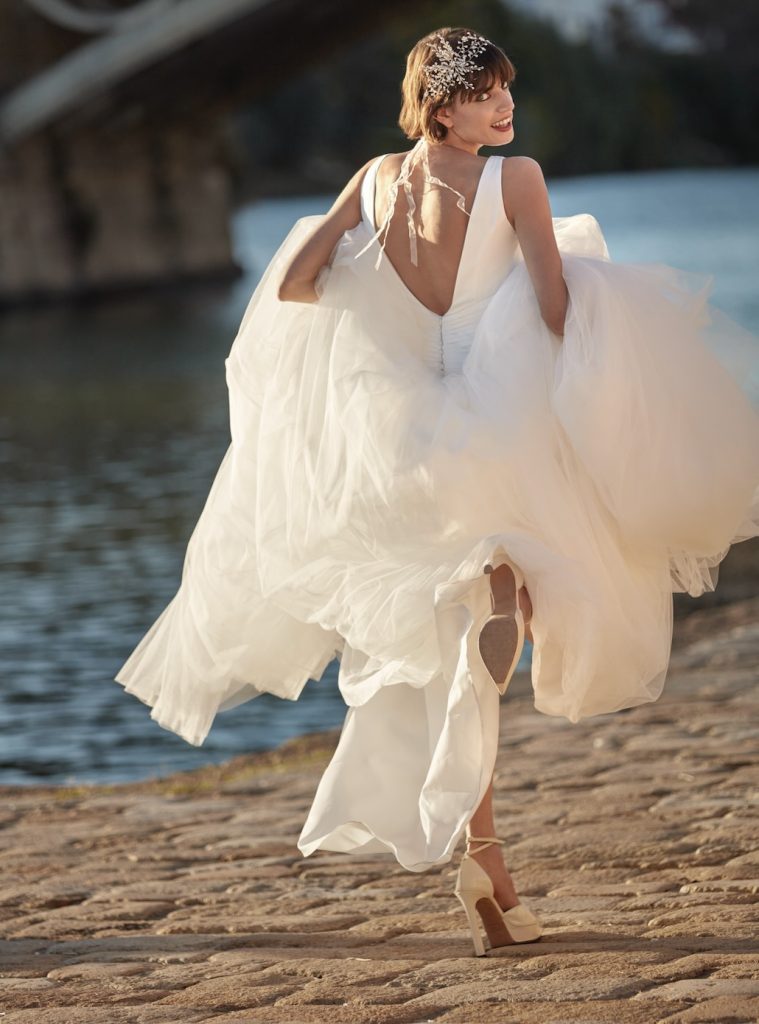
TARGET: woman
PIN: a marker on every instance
(455, 422)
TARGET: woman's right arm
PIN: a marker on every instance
(525, 200)
(298, 282)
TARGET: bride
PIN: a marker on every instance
(456, 423)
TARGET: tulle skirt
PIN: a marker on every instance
(363, 493)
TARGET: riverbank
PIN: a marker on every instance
(631, 836)
(119, 419)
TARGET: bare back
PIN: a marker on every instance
(441, 225)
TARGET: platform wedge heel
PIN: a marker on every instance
(474, 889)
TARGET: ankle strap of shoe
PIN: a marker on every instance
(487, 840)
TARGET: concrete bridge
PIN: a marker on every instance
(113, 167)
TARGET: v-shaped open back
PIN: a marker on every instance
(488, 253)
(368, 203)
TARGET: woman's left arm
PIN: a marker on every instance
(298, 280)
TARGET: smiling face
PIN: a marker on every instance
(482, 118)
(478, 75)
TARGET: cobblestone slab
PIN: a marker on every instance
(633, 836)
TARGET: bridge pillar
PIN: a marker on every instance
(126, 206)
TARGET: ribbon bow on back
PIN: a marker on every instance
(419, 151)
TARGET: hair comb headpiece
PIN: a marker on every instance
(453, 66)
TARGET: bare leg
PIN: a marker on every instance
(491, 858)
(482, 822)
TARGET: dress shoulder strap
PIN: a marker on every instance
(368, 186)
(494, 189)
(500, 216)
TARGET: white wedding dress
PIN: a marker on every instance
(383, 455)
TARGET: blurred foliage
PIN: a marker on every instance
(717, 88)
(616, 102)
(730, 28)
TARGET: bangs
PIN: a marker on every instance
(421, 103)
(496, 68)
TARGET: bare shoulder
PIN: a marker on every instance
(522, 184)
(521, 170)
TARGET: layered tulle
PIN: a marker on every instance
(614, 467)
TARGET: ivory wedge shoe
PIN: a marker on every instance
(474, 889)
(501, 639)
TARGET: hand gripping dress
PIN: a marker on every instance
(382, 456)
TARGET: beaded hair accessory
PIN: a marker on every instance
(453, 67)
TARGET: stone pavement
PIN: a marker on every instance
(633, 836)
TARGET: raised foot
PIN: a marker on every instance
(502, 636)
(502, 584)
(502, 587)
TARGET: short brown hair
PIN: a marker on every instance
(417, 118)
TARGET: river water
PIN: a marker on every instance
(113, 422)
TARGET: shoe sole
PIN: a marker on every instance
(502, 637)
(499, 643)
